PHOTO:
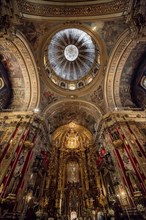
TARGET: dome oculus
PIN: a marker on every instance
(71, 58)
(71, 52)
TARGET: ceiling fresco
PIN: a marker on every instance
(15, 76)
(77, 112)
(131, 93)
(5, 85)
(97, 97)
(109, 31)
(38, 32)
(47, 96)
(138, 85)
(22, 73)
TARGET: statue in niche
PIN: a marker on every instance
(126, 160)
(73, 172)
(15, 181)
(17, 175)
(130, 171)
(133, 180)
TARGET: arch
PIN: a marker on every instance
(76, 111)
(117, 60)
(23, 73)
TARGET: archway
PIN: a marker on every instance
(23, 73)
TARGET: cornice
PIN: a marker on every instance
(48, 10)
(66, 3)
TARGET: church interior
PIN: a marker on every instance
(73, 109)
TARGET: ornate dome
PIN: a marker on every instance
(71, 56)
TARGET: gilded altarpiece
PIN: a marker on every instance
(72, 176)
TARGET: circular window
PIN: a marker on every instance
(71, 55)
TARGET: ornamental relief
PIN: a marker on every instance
(121, 69)
(23, 74)
(97, 97)
(115, 68)
(61, 11)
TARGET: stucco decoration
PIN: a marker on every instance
(97, 97)
(22, 71)
(47, 97)
(77, 11)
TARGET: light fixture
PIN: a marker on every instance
(36, 110)
(94, 28)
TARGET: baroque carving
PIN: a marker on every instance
(22, 74)
(61, 11)
(116, 68)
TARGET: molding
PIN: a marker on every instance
(71, 3)
(33, 75)
(67, 11)
(115, 66)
